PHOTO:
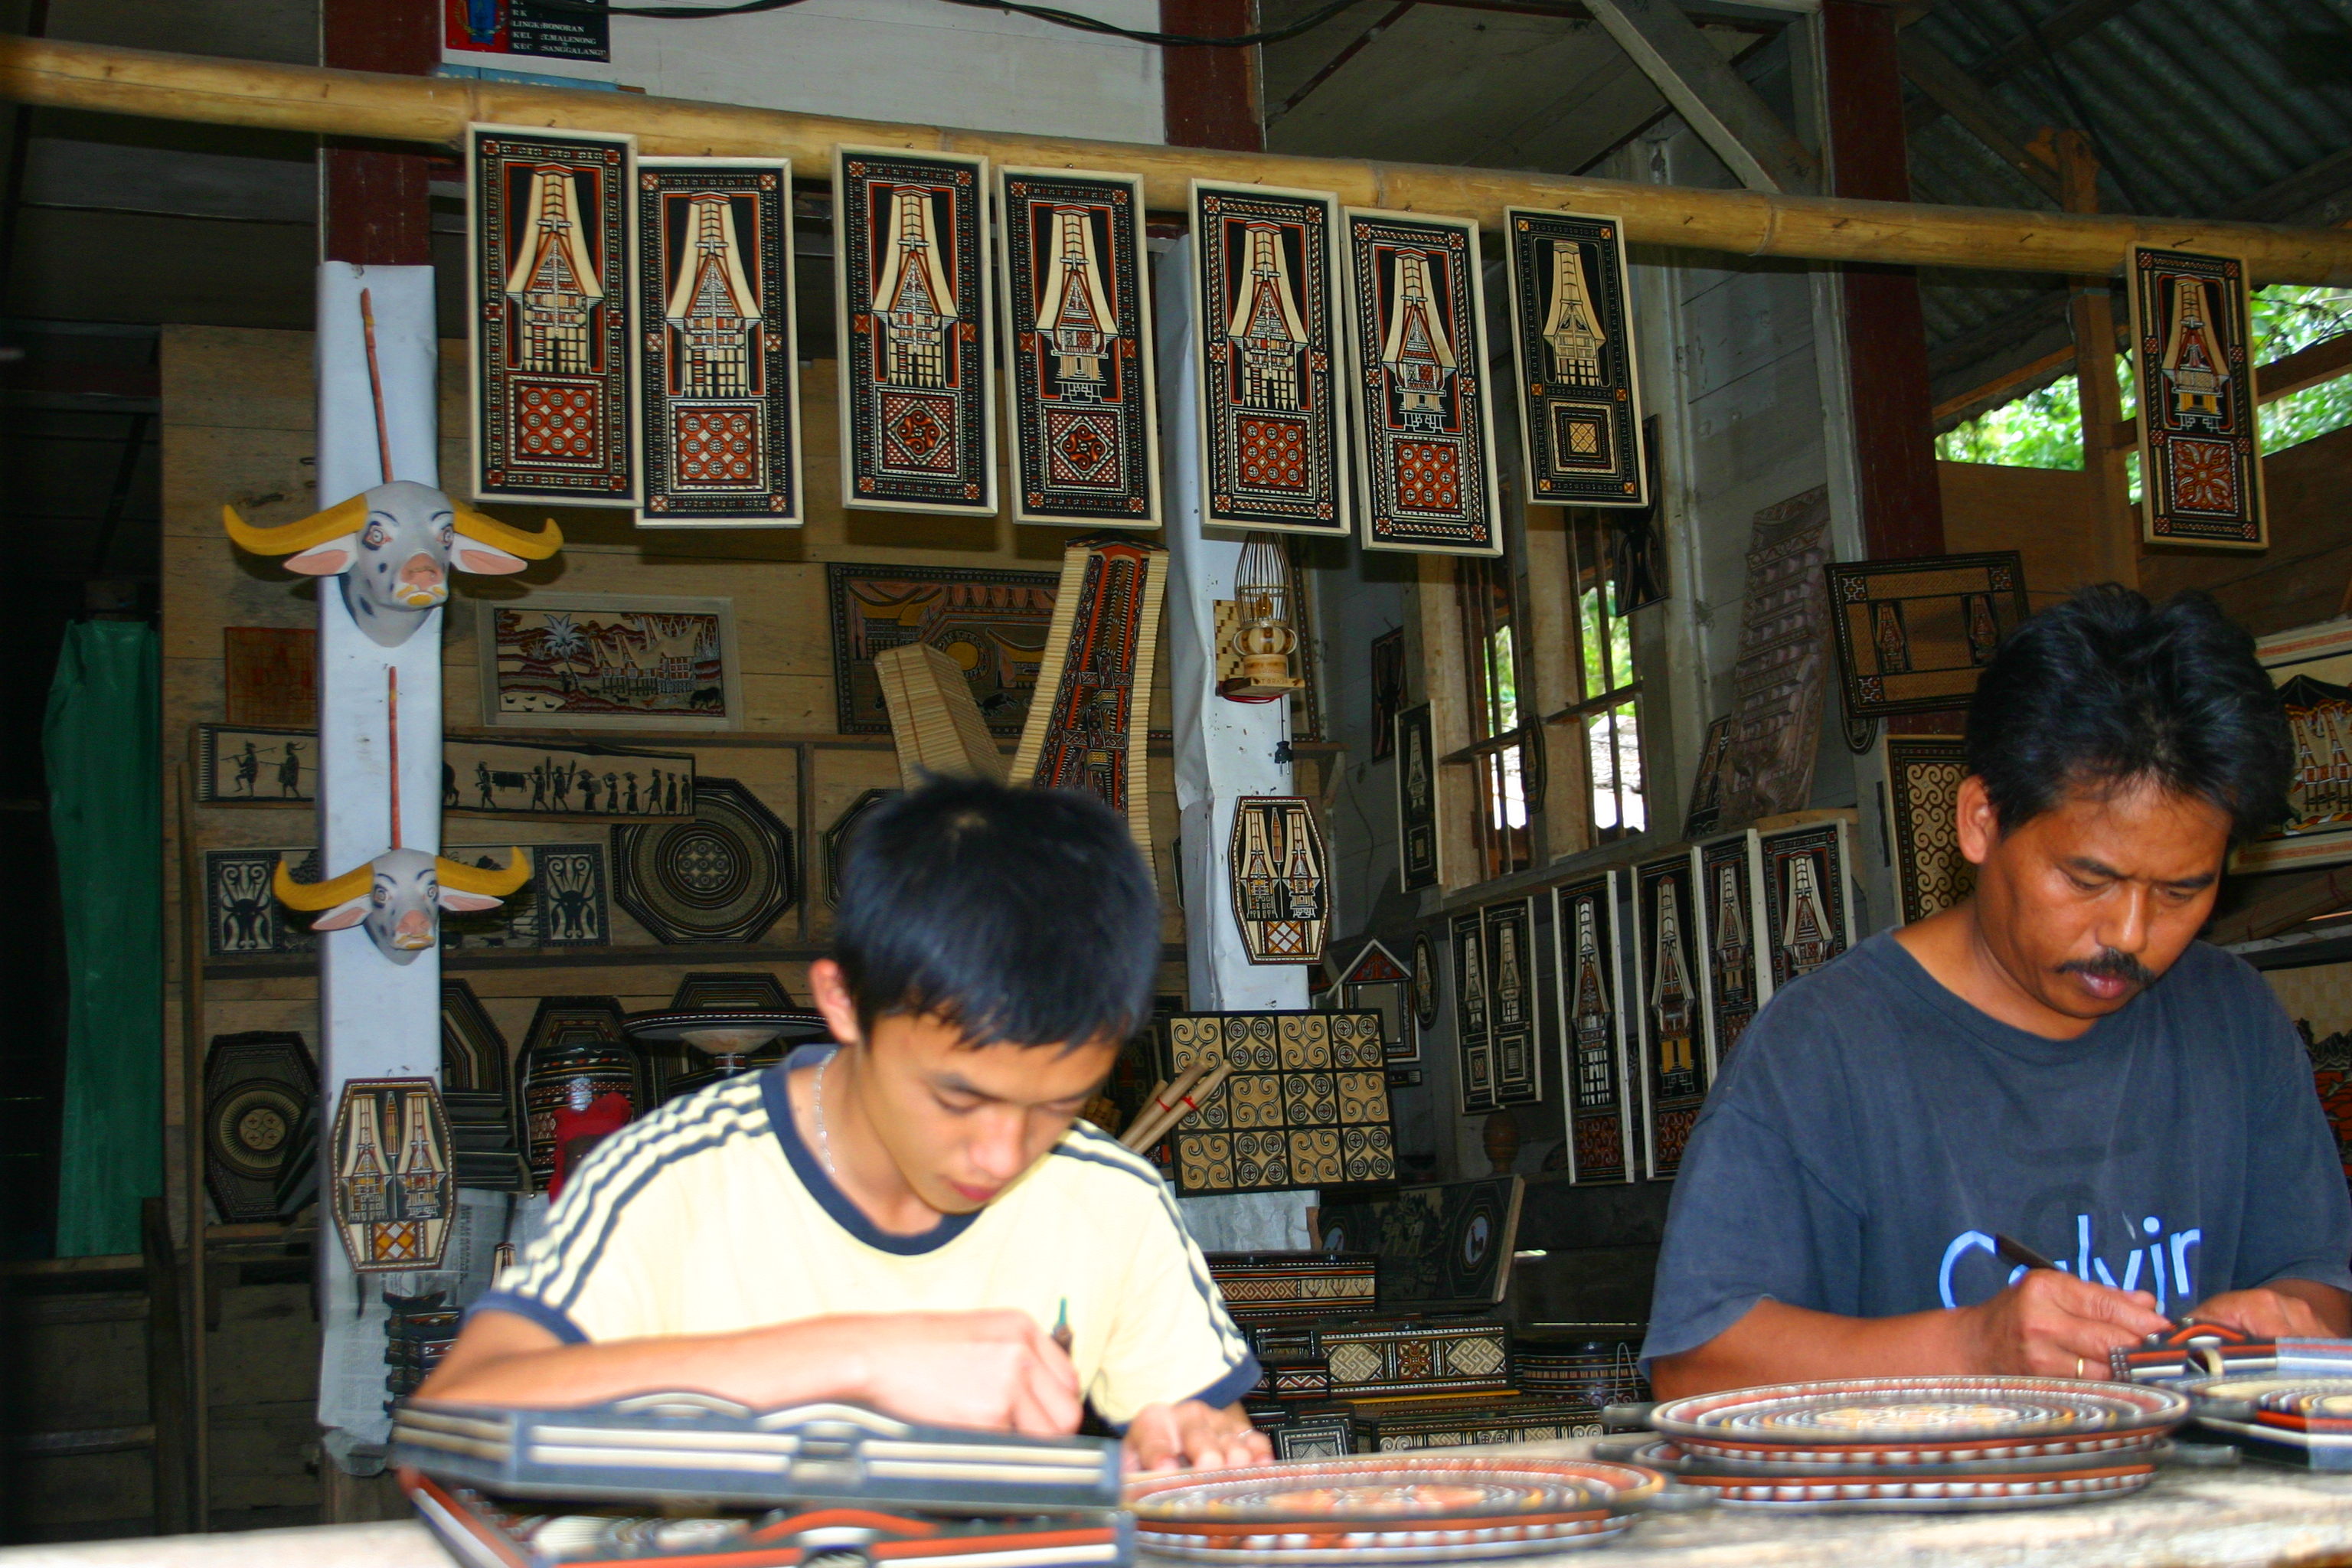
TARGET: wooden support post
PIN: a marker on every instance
(1209, 96)
(197, 1294)
(375, 209)
(167, 1367)
(110, 81)
(1887, 332)
(2091, 311)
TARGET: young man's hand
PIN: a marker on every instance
(993, 1369)
(2053, 1325)
(1193, 1436)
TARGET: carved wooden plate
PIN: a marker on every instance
(1905, 1412)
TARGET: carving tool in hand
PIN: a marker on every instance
(2017, 1252)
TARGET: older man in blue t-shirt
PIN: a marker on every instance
(2055, 1060)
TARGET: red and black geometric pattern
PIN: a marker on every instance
(720, 364)
(554, 361)
(2200, 440)
(1077, 335)
(1579, 401)
(1266, 315)
(1417, 333)
(911, 294)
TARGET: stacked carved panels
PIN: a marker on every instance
(1294, 1284)
(1435, 1356)
(1305, 1104)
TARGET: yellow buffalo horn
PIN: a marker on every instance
(491, 884)
(312, 897)
(293, 538)
(488, 530)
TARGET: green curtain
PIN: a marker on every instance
(106, 812)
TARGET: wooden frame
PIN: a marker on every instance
(556, 602)
(2312, 666)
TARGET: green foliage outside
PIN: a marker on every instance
(2044, 430)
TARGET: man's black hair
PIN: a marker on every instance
(1021, 916)
(2106, 689)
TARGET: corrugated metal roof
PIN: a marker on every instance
(2194, 107)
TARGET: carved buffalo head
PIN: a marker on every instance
(399, 897)
(394, 547)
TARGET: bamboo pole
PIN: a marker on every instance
(53, 75)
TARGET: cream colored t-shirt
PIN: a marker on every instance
(711, 1215)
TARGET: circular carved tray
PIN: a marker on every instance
(670, 1027)
(1907, 1412)
(2313, 1405)
(1939, 1488)
(1369, 1509)
(1674, 1457)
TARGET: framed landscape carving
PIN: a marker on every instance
(1272, 450)
(578, 780)
(1590, 963)
(2200, 440)
(254, 764)
(992, 623)
(1912, 634)
(610, 662)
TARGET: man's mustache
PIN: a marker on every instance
(2111, 963)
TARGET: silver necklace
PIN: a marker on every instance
(824, 1140)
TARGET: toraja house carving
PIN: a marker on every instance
(394, 547)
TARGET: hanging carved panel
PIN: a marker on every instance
(1914, 635)
(1416, 786)
(1306, 1103)
(2200, 440)
(1474, 1026)
(1077, 349)
(1425, 410)
(1267, 313)
(554, 365)
(259, 1087)
(721, 365)
(1511, 991)
(1572, 337)
(911, 298)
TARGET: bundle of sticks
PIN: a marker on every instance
(1170, 1102)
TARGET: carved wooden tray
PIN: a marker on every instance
(1907, 1412)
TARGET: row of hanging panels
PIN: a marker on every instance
(633, 346)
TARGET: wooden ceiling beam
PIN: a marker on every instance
(1730, 116)
(436, 110)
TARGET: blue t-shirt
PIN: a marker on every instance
(1874, 1132)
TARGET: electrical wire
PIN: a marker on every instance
(1060, 18)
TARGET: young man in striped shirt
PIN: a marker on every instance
(907, 1220)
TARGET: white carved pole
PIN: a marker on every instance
(377, 1019)
(1224, 751)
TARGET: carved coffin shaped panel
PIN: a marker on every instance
(394, 1190)
(1281, 897)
